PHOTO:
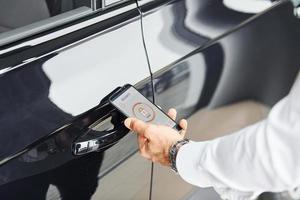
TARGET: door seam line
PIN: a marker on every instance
(152, 85)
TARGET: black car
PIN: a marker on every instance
(61, 59)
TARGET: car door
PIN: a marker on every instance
(221, 64)
(60, 138)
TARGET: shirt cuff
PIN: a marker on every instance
(188, 162)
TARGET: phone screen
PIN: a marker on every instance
(134, 104)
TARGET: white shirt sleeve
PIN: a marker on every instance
(262, 157)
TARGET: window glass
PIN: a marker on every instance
(21, 18)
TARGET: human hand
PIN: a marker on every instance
(155, 141)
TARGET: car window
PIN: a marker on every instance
(19, 18)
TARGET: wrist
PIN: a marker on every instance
(173, 151)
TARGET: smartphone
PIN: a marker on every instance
(132, 103)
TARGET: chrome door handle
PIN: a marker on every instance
(97, 141)
(106, 129)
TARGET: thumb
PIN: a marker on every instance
(136, 125)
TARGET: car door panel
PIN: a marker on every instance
(53, 91)
(179, 27)
(247, 58)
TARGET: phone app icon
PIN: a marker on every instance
(143, 112)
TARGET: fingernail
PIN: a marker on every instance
(127, 123)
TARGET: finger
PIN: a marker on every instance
(183, 124)
(136, 125)
(142, 141)
(154, 159)
(145, 154)
(144, 150)
(172, 113)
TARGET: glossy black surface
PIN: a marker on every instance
(53, 94)
(253, 57)
(178, 27)
(249, 57)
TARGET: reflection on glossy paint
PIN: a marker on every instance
(83, 75)
(59, 89)
(248, 6)
(180, 27)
